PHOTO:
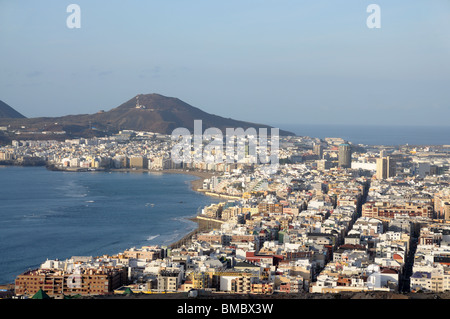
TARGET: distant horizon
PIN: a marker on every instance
(287, 125)
(382, 134)
(278, 125)
(259, 62)
(365, 125)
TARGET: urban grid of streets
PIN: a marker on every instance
(331, 217)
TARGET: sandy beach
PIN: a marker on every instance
(195, 184)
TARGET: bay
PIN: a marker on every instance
(51, 214)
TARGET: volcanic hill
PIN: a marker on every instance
(7, 111)
(144, 112)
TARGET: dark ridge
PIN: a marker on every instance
(144, 112)
(7, 111)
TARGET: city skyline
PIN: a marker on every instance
(329, 219)
(243, 150)
(317, 62)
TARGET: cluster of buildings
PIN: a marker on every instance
(431, 268)
(124, 150)
(331, 217)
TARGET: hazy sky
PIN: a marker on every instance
(271, 62)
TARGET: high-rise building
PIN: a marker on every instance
(385, 167)
(345, 156)
(442, 205)
(318, 149)
(323, 165)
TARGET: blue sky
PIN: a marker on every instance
(270, 62)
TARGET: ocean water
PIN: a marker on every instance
(375, 134)
(48, 214)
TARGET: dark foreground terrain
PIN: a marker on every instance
(219, 296)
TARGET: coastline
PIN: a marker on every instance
(195, 185)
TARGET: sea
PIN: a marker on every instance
(389, 135)
(56, 215)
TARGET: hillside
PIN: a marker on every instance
(144, 112)
(7, 111)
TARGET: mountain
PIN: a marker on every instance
(144, 112)
(7, 111)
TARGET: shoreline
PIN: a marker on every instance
(195, 185)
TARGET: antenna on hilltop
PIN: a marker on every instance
(139, 106)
